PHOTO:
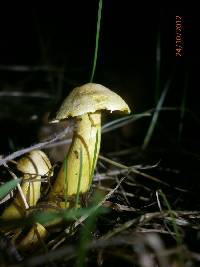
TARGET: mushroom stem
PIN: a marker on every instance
(84, 150)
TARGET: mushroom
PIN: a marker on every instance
(34, 237)
(33, 166)
(84, 104)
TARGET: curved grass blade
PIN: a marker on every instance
(114, 124)
(156, 114)
(94, 158)
(79, 178)
(7, 187)
(65, 179)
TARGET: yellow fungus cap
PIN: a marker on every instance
(35, 162)
(90, 98)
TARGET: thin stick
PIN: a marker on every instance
(25, 94)
(37, 146)
(132, 169)
(85, 216)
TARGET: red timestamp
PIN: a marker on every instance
(179, 36)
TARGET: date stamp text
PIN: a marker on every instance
(179, 36)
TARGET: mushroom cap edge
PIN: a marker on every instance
(89, 98)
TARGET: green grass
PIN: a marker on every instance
(158, 67)
(117, 123)
(97, 40)
(8, 186)
(172, 215)
(65, 181)
(94, 158)
(86, 233)
(46, 217)
(155, 116)
(79, 179)
(178, 236)
(183, 109)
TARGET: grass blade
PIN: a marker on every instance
(65, 179)
(175, 227)
(7, 187)
(94, 158)
(79, 178)
(178, 236)
(155, 115)
(182, 111)
(114, 124)
(86, 233)
(158, 63)
(97, 40)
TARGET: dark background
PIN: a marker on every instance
(62, 37)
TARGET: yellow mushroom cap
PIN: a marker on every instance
(90, 98)
(35, 162)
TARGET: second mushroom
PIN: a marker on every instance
(84, 104)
